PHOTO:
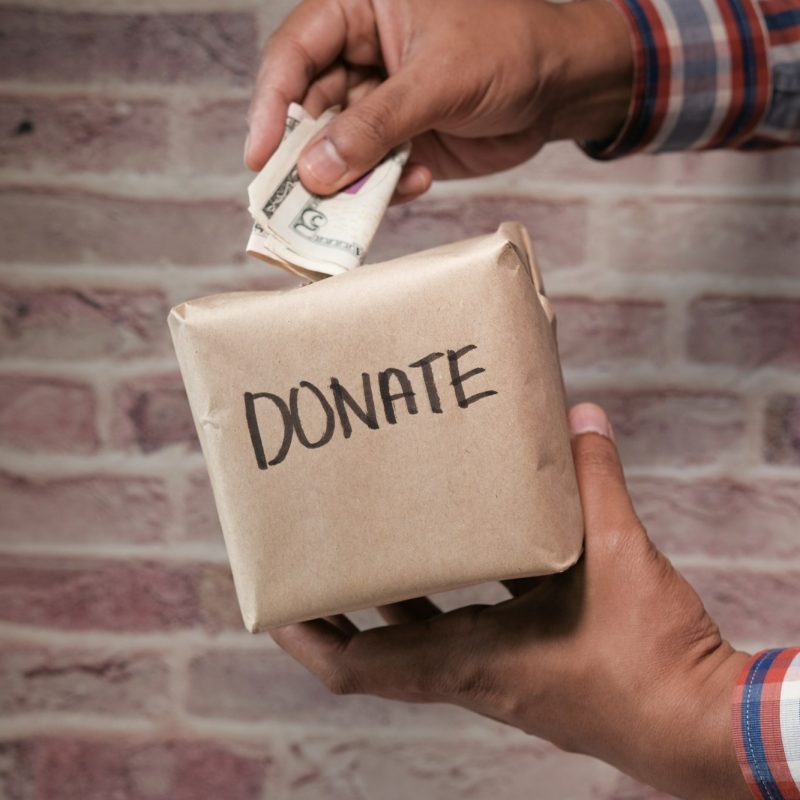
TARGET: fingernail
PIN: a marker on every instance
(247, 146)
(324, 162)
(589, 418)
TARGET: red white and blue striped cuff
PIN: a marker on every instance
(701, 76)
(766, 724)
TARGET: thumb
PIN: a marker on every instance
(607, 507)
(358, 138)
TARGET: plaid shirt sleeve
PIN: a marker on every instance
(766, 724)
(710, 74)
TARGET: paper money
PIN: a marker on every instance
(307, 234)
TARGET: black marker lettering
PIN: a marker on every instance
(255, 433)
(342, 397)
(430, 383)
(458, 379)
(389, 398)
(298, 425)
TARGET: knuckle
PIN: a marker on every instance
(341, 680)
(366, 127)
(467, 672)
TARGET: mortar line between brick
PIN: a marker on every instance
(231, 187)
(198, 639)
(641, 375)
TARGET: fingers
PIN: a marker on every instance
(605, 500)
(330, 89)
(309, 40)
(414, 610)
(314, 644)
(414, 181)
(393, 112)
(443, 659)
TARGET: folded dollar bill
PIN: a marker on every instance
(307, 234)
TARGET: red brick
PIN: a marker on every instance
(220, 47)
(730, 168)
(84, 594)
(215, 134)
(594, 331)
(558, 227)
(97, 134)
(720, 517)
(202, 520)
(72, 323)
(751, 605)
(253, 685)
(38, 679)
(153, 413)
(94, 769)
(46, 414)
(628, 789)
(670, 426)
(782, 430)
(343, 769)
(62, 226)
(17, 779)
(91, 508)
(565, 162)
(714, 235)
(746, 331)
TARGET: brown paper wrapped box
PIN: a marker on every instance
(392, 432)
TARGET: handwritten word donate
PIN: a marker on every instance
(394, 387)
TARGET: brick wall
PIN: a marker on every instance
(124, 670)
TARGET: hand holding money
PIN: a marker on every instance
(480, 99)
(307, 234)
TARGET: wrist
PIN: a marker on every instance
(697, 754)
(594, 80)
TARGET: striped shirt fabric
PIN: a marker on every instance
(710, 74)
(766, 724)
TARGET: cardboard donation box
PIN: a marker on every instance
(391, 432)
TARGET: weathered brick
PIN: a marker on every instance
(83, 132)
(712, 235)
(214, 139)
(252, 685)
(71, 323)
(62, 226)
(83, 594)
(17, 770)
(721, 516)
(628, 789)
(558, 227)
(670, 426)
(95, 769)
(46, 414)
(751, 605)
(91, 508)
(782, 430)
(565, 162)
(746, 331)
(594, 331)
(42, 45)
(153, 413)
(38, 679)
(201, 518)
(730, 168)
(396, 770)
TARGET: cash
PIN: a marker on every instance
(307, 234)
